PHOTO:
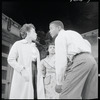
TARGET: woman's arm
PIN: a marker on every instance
(43, 68)
(12, 58)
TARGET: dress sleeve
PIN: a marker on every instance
(43, 68)
(12, 58)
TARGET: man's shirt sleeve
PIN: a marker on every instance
(60, 58)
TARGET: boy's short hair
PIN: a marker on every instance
(58, 23)
(26, 28)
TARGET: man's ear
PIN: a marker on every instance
(59, 27)
(27, 32)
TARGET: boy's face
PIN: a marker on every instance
(53, 29)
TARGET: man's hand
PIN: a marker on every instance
(58, 88)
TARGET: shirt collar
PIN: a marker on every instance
(62, 30)
(25, 41)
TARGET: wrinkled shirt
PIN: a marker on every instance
(67, 44)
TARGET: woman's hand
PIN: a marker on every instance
(43, 71)
(25, 74)
(58, 88)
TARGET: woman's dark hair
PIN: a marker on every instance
(51, 43)
(26, 28)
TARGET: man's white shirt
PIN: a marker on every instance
(67, 44)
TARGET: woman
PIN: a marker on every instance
(48, 70)
(22, 57)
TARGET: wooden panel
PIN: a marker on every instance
(5, 49)
(10, 38)
(4, 61)
(7, 71)
(10, 25)
(3, 88)
(92, 37)
(4, 74)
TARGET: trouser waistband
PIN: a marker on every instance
(71, 62)
(80, 54)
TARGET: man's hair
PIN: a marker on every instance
(58, 23)
(26, 28)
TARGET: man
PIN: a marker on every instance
(23, 57)
(76, 68)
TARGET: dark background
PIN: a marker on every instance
(79, 16)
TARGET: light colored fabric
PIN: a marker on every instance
(50, 78)
(21, 55)
(81, 80)
(67, 44)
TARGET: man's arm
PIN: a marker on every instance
(60, 58)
